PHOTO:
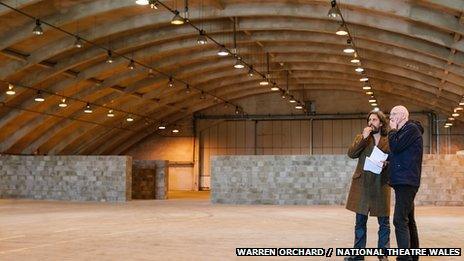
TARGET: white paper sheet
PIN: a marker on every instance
(373, 163)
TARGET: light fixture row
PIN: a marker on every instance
(88, 109)
(223, 51)
(457, 111)
(334, 13)
(154, 4)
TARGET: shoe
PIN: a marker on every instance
(353, 258)
(383, 258)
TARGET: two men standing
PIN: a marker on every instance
(370, 192)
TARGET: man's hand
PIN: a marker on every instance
(393, 124)
(366, 132)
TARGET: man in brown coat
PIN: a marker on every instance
(369, 192)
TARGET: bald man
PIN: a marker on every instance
(406, 148)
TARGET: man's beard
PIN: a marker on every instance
(375, 130)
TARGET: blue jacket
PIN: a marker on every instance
(406, 148)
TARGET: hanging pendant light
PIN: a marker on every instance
(239, 64)
(38, 28)
(131, 65)
(10, 90)
(63, 103)
(349, 48)
(341, 30)
(202, 39)
(171, 82)
(177, 19)
(355, 58)
(334, 12)
(109, 58)
(223, 51)
(78, 43)
(299, 106)
(110, 114)
(359, 70)
(274, 88)
(39, 97)
(129, 118)
(88, 109)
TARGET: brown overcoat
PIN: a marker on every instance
(369, 192)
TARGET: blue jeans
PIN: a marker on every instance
(360, 232)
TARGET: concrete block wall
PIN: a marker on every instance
(442, 180)
(320, 179)
(160, 169)
(76, 178)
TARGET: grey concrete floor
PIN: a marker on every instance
(186, 228)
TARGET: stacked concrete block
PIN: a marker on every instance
(77, 178)
(295, 180)
(320, 179)
(442, 180)
(145, 187)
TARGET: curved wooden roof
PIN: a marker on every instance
(411, 49)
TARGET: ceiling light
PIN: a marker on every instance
(131, 65)
(374, 104)
(367, 87)
(274, 88)
(264, 82)
(455, 114)
(78, 43)
(237, 110)
(376, 109)
(171, 82)
(129, 119)
(141, 2)
(251, 72)
(448, 124)
(239, 64)
(355, 58)
(342, 30)
(161, 127)
(223, 51)
(175, 130)
(334, 12)
(109, 59)
(372, 99)
(364, 79)
(349, 48)
(299, 106)
(451, 119)
(153, 4)
(458, 109)
(10, 90)
(202, 39)
(359, 70)
(369, 92)
(461, 103)
(284, 95)
(187, 89)
(110, 114)
(177, 19)
(88, 109)
(63, 103)
(292, 100)
(39, 97)
(38, 28)
(151, 74)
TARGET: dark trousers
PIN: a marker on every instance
(360, 232)
(403, 219)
